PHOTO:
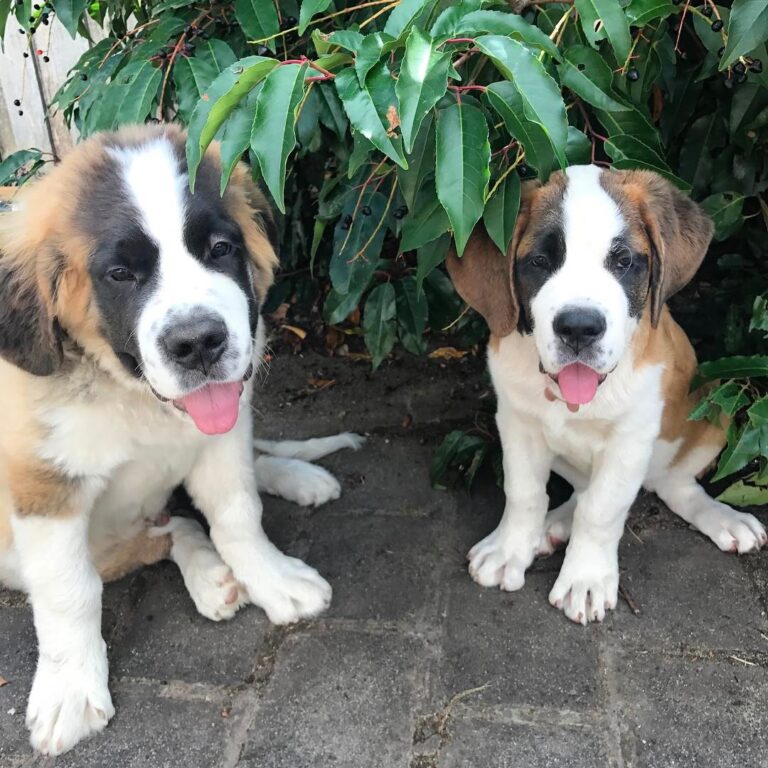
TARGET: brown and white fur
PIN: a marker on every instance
(102, 262)
(611, 246)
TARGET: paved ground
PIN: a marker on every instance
(415, 666)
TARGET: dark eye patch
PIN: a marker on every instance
(630, 267)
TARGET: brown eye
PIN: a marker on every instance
(220, 249)
(121, 275)
(540, 261)
(624, 260)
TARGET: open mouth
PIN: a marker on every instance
(214, 407)
(578, 382)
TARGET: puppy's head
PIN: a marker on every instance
(593, 251)
(159, 286)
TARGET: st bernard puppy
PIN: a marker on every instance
(129, 331)
(592, 377)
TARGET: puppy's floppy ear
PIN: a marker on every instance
(484, 276)
(679, 232)
(256, 220)
(29, 333)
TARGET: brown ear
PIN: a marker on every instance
(29, 335)
(679, 232)
(484, 276)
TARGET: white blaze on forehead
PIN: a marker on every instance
(152, 177)
(591, 218)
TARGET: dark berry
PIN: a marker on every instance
(676, 2)
(756, 66)
(523, 169)
(290, 22)
(17, 102)
(741, 77)
(45, 20)
(21, 31)
(36, 6)
(31, 19)
(728, 83)
(21, 112)
(707, 11)
(739, 68)
(347, 222)
(633, 75)
(46, 59)
(366, 210)
(581, 67)
(721, 52)
(83, 76)
(401, 211)
(717, 25)
(25, 55)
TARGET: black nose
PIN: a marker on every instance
(578, 328)
(196, 344)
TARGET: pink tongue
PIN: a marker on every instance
(215, 407)
(578, 383)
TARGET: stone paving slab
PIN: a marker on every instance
(389, 677)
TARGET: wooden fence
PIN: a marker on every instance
(33, 80)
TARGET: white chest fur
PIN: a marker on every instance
(630, 399)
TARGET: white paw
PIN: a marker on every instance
(212, 585)
(285, 587)
(588, 583)
(69, 701)
(500, 560)
(732, 531)
(350, 440)
(312, 486)
(557, 528)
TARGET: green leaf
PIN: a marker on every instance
(628, 152)
(379, 322)
(640, 12)
(331, 111)
(68, 12)
(358, 238)
(596, 15)
(217, 103)
(349, 39)
(421, 163)
(426, 221)
(456, 447)
(578, 150)
(542, 100)
(447, 23)
(741, 494)
(236, 135)
(5, 12)
(422, 82)
(508, 25)
(747, 28)
(273, 135)
(402, 16)
(194, 74)
(747, 442)
(500, 212)
(258, 18)
(412, 311)
(361, 151)
(362, 113)
(506, 100)
(431, 256)
(735, 367)
(461, 172)
(635, 122)
(369, 52)
(759, 320)
(585, 72)
(725, 209)
(142, 81)
(695, 164)
(15, 162)
(308, 9)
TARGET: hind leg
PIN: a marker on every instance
(732, 531)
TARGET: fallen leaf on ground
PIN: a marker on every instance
(3, 681)
(300, 332)
(448, 353)
(320, 383)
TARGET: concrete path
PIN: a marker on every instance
(415, 666)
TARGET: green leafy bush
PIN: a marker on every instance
(380, 128)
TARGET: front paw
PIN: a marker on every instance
(286, 588)
(69, 701)
(500, 560)
(311, 486)
(588, 584)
